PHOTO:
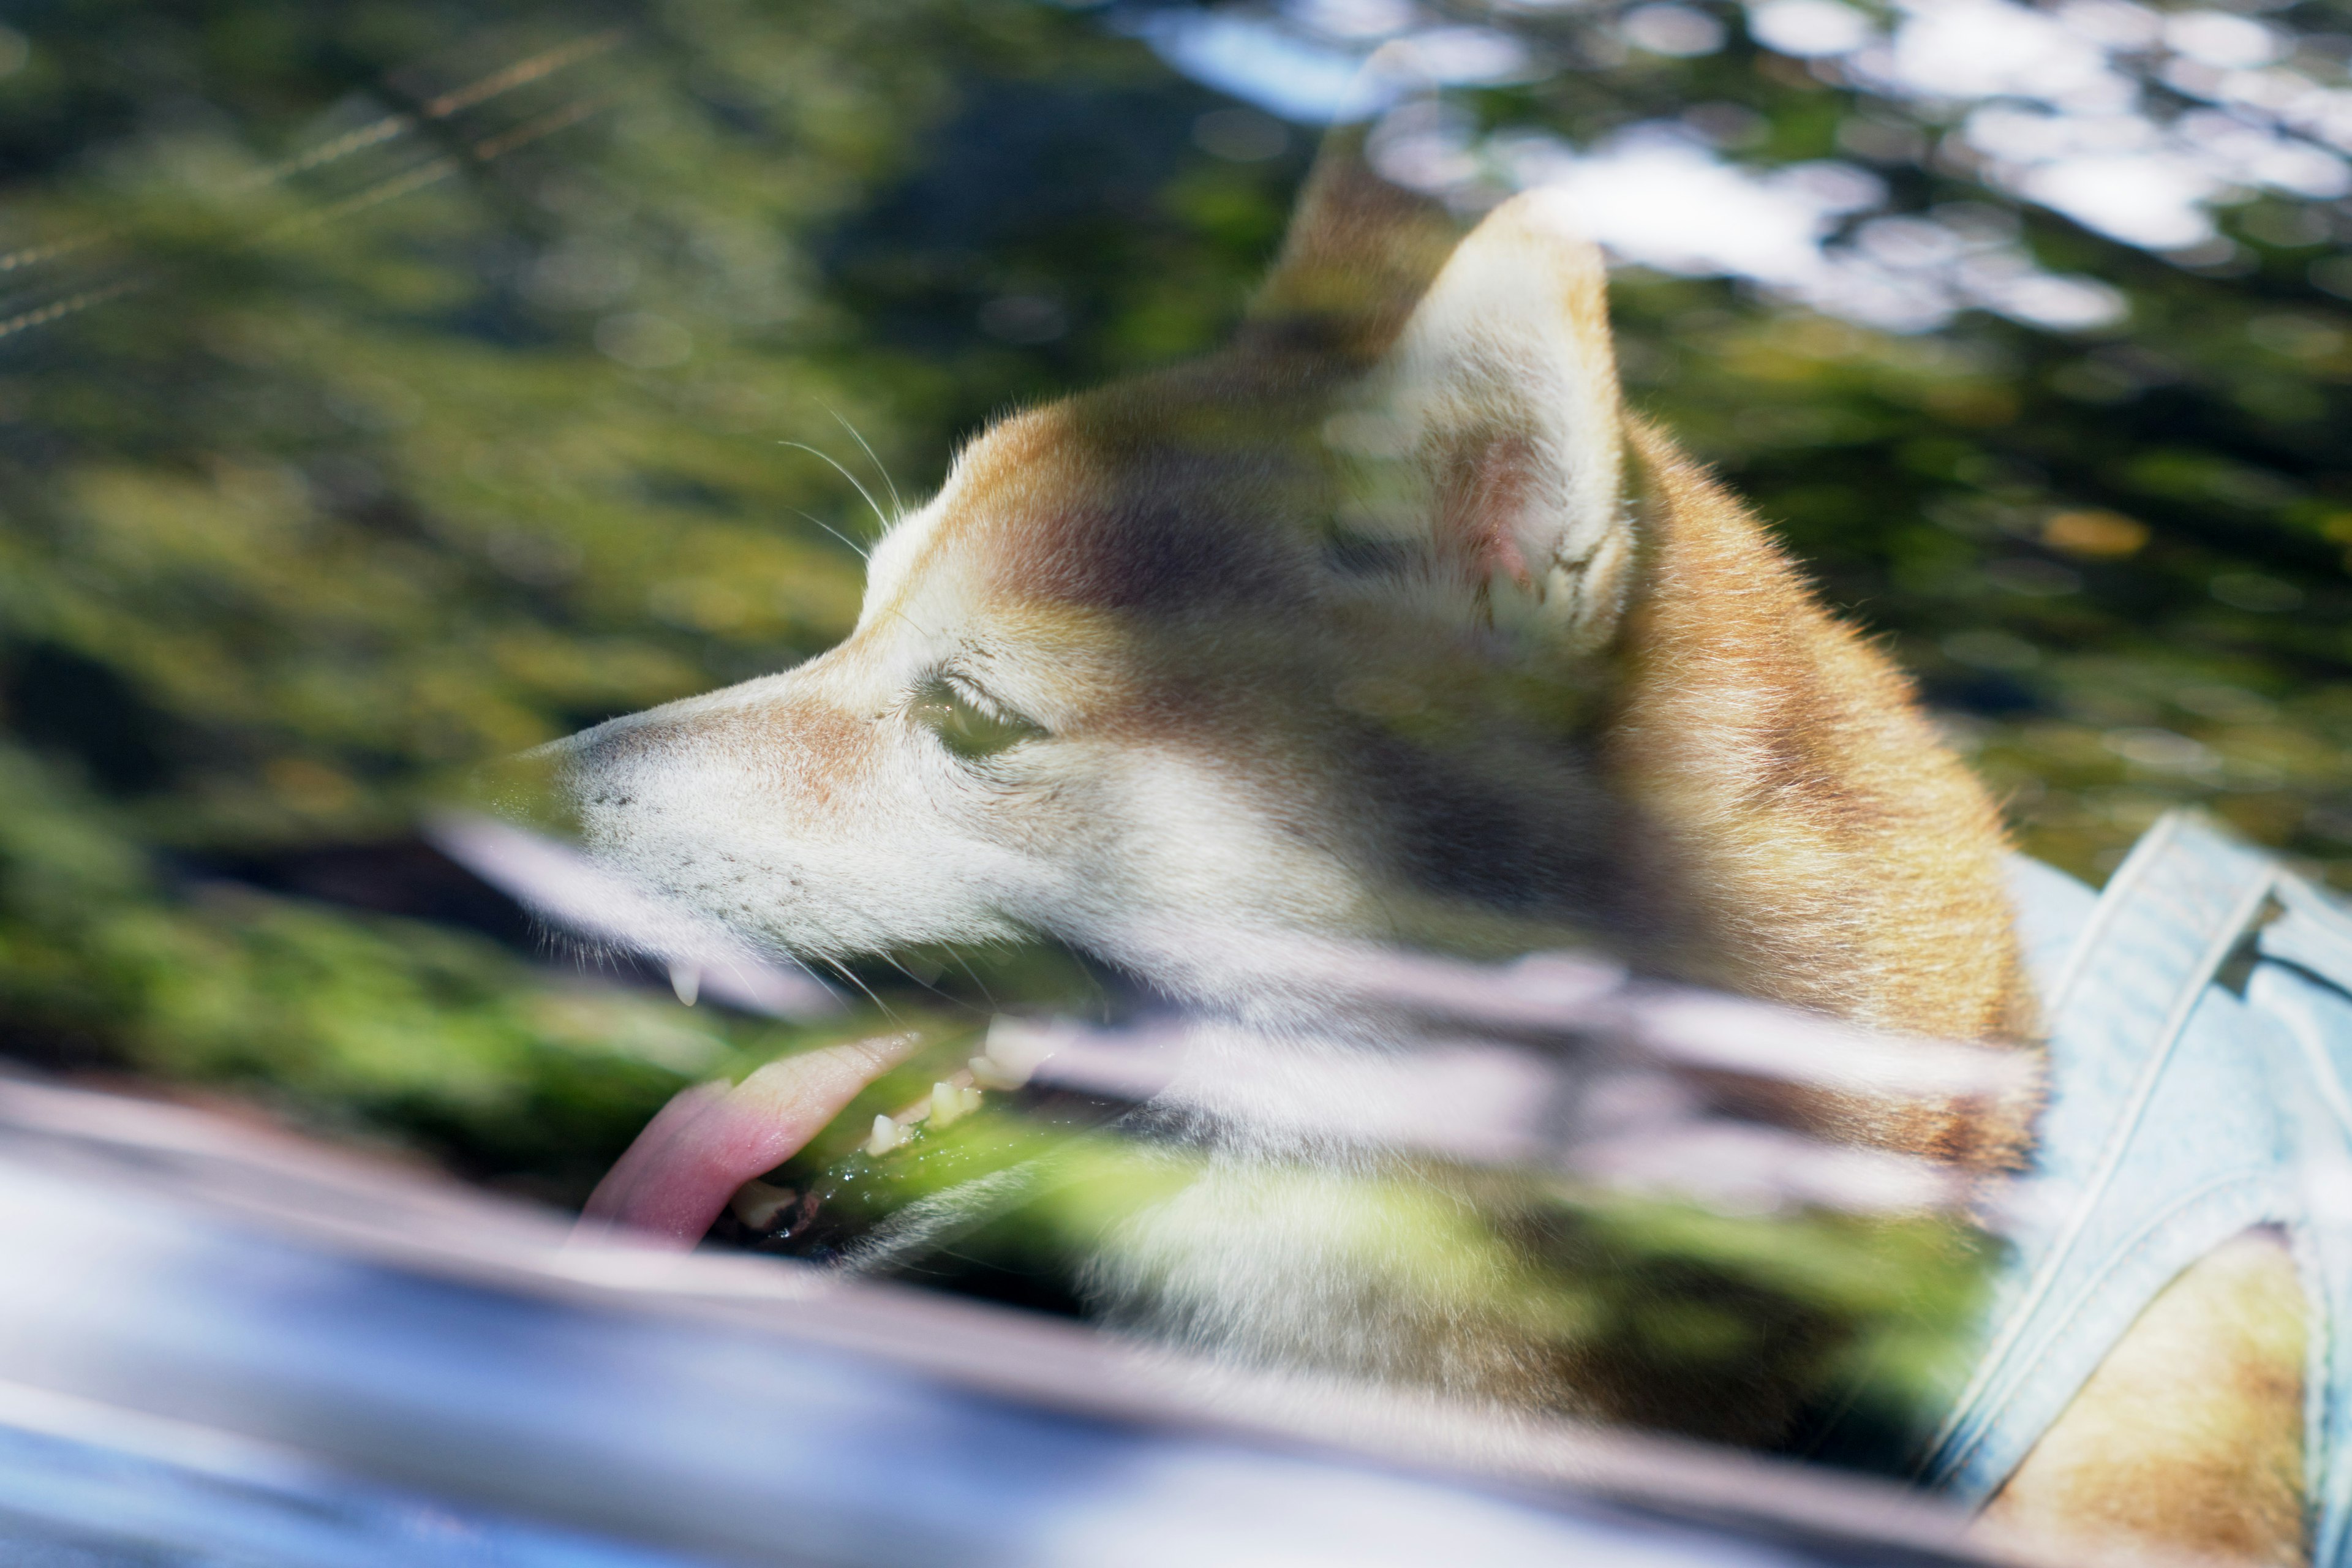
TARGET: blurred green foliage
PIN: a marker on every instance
(388, 385)
(443, 399)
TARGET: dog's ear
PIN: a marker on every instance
(1359, 254)
(1496, 411)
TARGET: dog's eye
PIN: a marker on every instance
(963, 725)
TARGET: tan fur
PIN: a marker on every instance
(1849, 862)
(1844, 859)
(1359, 253)
(1386, 622)
(2190, 1438)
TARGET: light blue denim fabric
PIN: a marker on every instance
(2182, 1111)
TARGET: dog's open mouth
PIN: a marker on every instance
(969, 1144)
(729, 1162)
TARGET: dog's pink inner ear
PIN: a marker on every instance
(1489, 485)
(1502, 388)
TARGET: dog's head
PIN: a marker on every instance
(1293, 638)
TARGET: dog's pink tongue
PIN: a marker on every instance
(711, 1139)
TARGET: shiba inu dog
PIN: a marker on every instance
(1389, 622)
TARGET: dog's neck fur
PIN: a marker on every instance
(1844, 858)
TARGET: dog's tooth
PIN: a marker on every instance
(686, 979)
(951, 1102)
(757, 1203)
(887, 1135)
(1011, 1053)
(989, 1074)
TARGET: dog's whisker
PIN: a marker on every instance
(803, 965)
(34, 254)
(897, 507)
(72, 304)
(893, 961)
(413, 178)
(523, 72)
(863, 553)
(333, 152)
(855, 483)
(359, 140)
(482, 90)
(977, 983)
(843, 970)
(547, 124)
(434, 170)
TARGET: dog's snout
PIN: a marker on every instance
(564, 786)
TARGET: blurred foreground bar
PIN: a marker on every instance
(220, 1344)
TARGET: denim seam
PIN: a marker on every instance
(2149, 855)
(2017, 1372)
(2319, 1441)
